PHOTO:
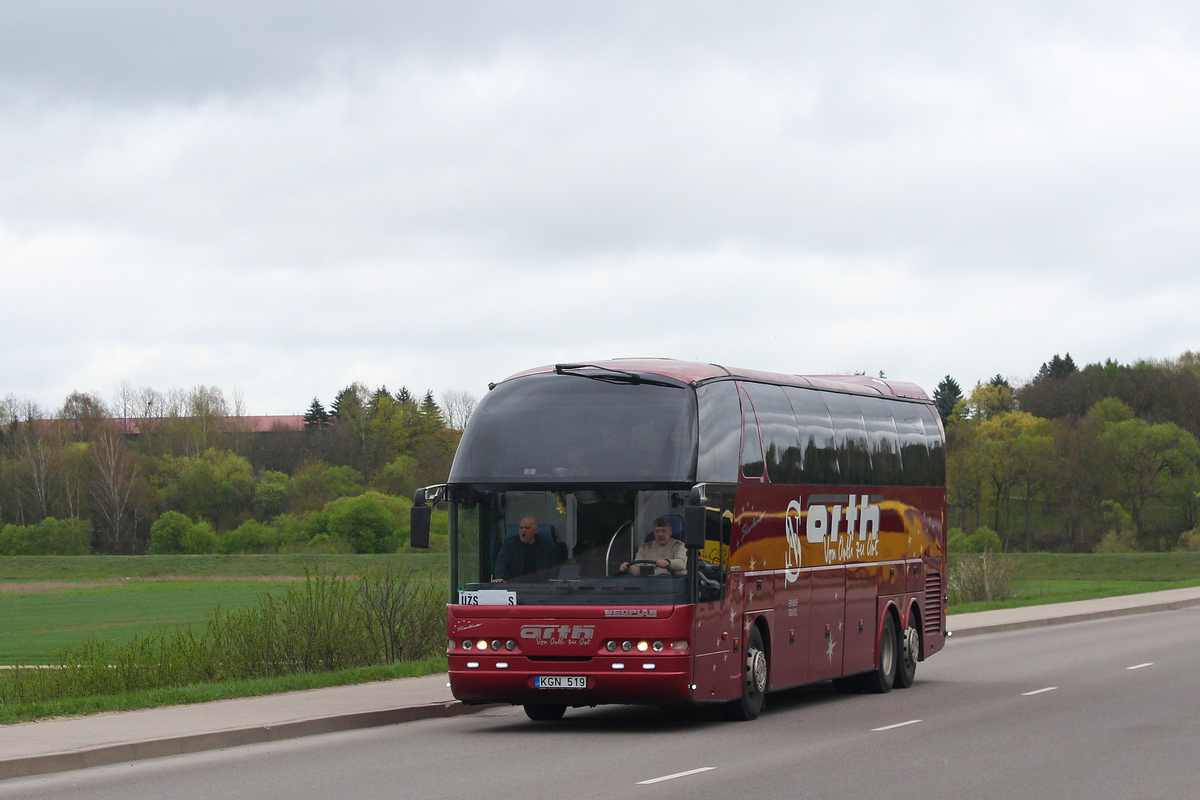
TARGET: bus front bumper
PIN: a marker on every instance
(628, 678)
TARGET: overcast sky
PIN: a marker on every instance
(281, 198)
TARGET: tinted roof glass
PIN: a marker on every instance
(576, 428)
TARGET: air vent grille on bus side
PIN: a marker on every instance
(933, 604)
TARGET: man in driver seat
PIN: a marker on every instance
(668, 555)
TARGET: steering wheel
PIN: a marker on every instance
(641, 561)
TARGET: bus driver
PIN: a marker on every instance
(668, 554)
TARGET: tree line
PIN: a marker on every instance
(1103, 458)
(186, 471)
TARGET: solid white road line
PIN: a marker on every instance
(676, 775)
(897, 725)
(1139, 666)
(1039, 691)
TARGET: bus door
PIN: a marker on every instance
(717, 622)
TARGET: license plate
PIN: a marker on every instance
(560, 681)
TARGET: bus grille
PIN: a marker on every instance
(933, 604)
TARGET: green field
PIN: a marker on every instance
(37, 623)
(51, 602)
(77, 569)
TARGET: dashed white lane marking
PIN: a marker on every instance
(897, 725)
(1139, 666)
(1039, 691)
(676, 775)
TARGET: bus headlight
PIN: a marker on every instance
(467, 644)
(643, 646)
(657, 647)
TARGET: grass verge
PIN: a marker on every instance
(208, 692)
(87, 569)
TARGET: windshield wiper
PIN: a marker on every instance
(612, 375)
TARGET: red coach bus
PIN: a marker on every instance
(811, 511)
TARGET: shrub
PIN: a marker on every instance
(250, 537)
(50, 537)
(200, 540)
(981, 578)
(1190, 540)
(984, 540)
(956, 540)
(175, 534)
(1122, 538)
(168, 532)
(365, 522)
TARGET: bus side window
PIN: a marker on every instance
(720, 414)
(820, 457)
(850, 439)
(752, 456)
(777, 425)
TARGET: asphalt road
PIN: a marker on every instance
(1102, 709)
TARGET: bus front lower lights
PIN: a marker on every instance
(679, 645)
(626, 645)
(643, 646)
(657, 647)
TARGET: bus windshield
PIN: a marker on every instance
(575, 547)
(580, 426)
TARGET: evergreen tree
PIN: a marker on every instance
(316, 416)
(946, 396)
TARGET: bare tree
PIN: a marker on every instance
(34, 452)
(458, 406)
(116, 472)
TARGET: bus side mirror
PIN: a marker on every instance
(419, 517)
(693, 527)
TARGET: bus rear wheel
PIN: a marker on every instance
(545, 712)
(883, 677)
(754, 680)
(910, 651)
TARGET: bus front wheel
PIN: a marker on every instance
(754, 680)
(545, 712)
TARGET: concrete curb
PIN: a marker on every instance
(219, 740)
(1082, 616)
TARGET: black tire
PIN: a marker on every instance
(545, 712)
(910, 652)
(754, 680)
(883, 677)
